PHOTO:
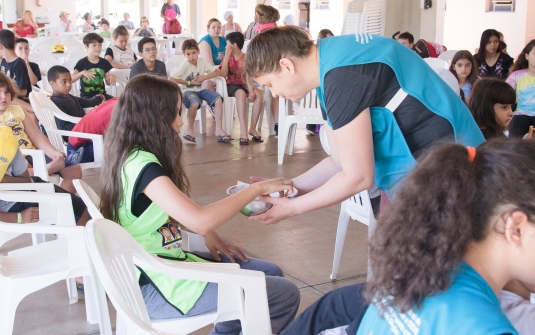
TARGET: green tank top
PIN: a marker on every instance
(154, 231)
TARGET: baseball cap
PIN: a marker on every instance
(62, 14)
(8, 148)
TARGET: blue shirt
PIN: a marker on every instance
(467, 88)
(468, 307)
(217, 53)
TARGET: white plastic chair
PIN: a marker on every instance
(122, 75)
(115, 254)
(358, 208)
(46, 110)
(72, 44)
(75, 56)
(44, 59)
(173, 64)
(163, 50)
(309, 112)
(24, 271)
(38, 162)
(70, 63)
(447, 56)
(92, 201)
(436, 63)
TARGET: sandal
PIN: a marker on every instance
(244, 141)
(225, 139)
(258, 139)
(189, 139)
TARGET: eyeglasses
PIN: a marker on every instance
(150, 50)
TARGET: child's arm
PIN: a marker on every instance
(110, 78)
(115, 64)
(22, 178)
(215, 73)
(33, 77)
(29, 215)
(90, 102)
(224, 63)
(39, 139)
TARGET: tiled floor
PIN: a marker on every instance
(303, 246)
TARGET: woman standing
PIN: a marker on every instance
(169, 12)
(26, 27)
(378, 125)
(230, 26)
(212, 44)
(492, 61)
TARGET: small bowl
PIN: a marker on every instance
(257, 207)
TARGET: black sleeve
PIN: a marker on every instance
(87, 102)
(177, 9)
(36, 71)
(351, 89)
(135, 57)
(20, 73)
(133, 71)
(80, 65)
(69, 108)
(163, 9)
(140, 202)
(507, 63)
(106, 65)
(109, 52)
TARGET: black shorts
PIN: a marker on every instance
(78, 204)
(232, 88)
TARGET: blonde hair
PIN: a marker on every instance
(267, 14)
(141, 20)
(30, 16)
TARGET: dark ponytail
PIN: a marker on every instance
(444, 204)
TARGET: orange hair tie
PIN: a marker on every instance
(471, 153)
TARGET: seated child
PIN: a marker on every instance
(119, 54)
(13, 169)
(407, 39)
(464, 68)
(60, 79)
(190, 75)
(94, 122)
(490, 104)
(515, 303)
(523, 82)
(240, 86)
(105, 25)
(30, 137)
(145, 30)
(148, 62)
(13, 66)
(93, 70)
(22, 49)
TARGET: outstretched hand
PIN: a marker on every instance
(216, 245)
(282, 209)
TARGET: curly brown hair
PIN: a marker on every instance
(444, 204)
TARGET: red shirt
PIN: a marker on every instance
(236, 70)
(27, 30)
(94, 122)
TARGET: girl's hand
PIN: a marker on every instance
(196, 82)
(251, 95)
(228, 50)
(88, 75)
(112, 80)
(30, 215)
(282, 209)
(276, 185)
(199, 79)
(214, 243)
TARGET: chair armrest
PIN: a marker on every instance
(66, 117)
(62, 202)
(40, 187)
(36, 228)
(98, 141)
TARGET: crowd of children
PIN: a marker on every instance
(468, 231)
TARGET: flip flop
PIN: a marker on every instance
(225, 139)
(244, 141)
(189, 139)
(258, 139)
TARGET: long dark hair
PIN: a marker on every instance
(484, 95)
(485, 37)
(465, 54)
(142, 120)
(521, 61)
(446, 203)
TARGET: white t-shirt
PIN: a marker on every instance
(188, 71)
(62, 27)
(519, 311)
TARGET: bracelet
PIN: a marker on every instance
(19, 217)
(189, 82)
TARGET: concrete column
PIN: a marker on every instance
(144, 8)
(104, 9)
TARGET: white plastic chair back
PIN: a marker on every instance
(46, 45)
(75, 56)
(116, 90)
(44, 110)
(72, 44)
(38, 162)
(373, 19)
(174, 63)
(75, 88)
(436, 63)
(115, 254)
(163, 50)
(44, 59)
(122, 75)
(447, 56)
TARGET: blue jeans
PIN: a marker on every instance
(283, 299)
(191, 97)
(88, 156)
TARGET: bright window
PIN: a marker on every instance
(500, 5)
(232, 4)
(322, 4)
(285, 4)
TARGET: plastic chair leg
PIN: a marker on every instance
(202, 121)
(71, 290)
(121, 328)
(8, 308)
(283, 141)
(100, 303)
(293, 129)
(91, 311)
(341, 231)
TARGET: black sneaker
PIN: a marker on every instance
(276, 128)
(311, 129)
